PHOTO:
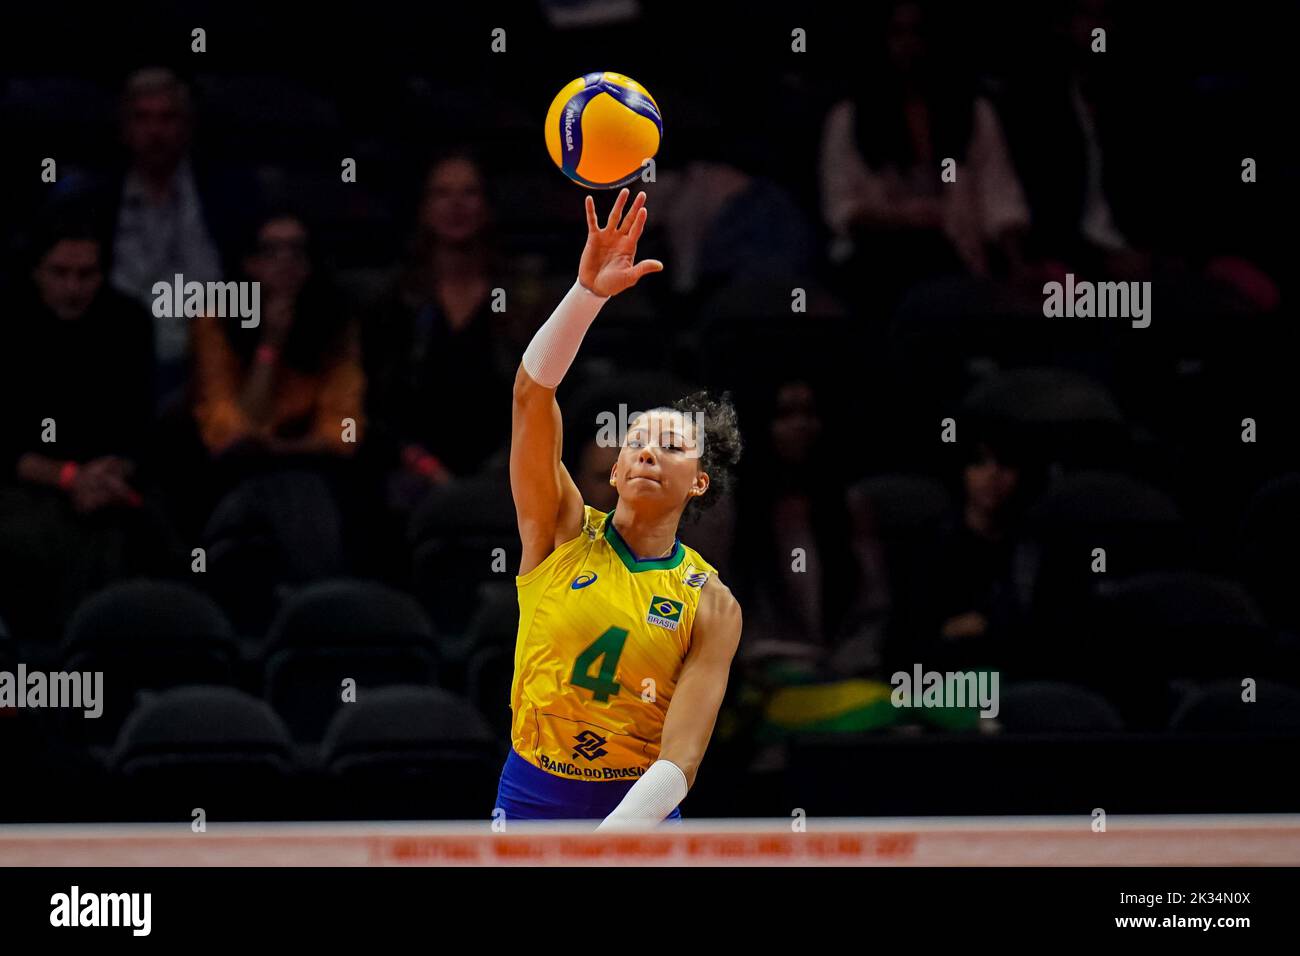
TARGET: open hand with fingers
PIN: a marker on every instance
(607, 266)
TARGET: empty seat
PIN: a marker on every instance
(1042, 396)
(1044, 707)
(1137, 525)
(412, 752)
(449, 573)
(1219, 708)
(278, 528)
(463, 535)
(495, 622)
(1182, 624)
(1141, 635)
(207, 747)
(478, 505)
(1267, 555)
(1182, 600)
(1104, 498)
(342, 629)
(146, 634)
(488, 653)
(488, 677)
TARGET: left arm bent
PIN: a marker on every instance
(698, 695)
(691, 714)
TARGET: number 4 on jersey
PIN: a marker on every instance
(608, 647)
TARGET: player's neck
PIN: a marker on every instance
(649, 536)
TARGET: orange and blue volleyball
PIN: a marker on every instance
(601, 128)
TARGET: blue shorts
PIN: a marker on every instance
(530, 793)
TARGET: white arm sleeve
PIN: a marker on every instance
(555, 345)
(650, 800)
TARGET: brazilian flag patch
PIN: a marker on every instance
(664, 612)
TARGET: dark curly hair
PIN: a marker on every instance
(722, 441)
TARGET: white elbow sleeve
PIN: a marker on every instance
(661, 788)
(553, 348)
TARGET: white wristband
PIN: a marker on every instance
(555, 345)
(651, 798)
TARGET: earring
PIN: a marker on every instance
(614, 482)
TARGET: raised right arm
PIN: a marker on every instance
(548, 506)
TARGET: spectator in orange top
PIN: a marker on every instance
(279, 406)
(290, 384)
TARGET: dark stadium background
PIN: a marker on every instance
(1122, 438)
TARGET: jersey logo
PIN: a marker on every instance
(693, 577)
(664, 612)
(589, 745)
(583, 579)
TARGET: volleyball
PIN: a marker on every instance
(601, 128)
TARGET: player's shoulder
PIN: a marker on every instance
(717, 602)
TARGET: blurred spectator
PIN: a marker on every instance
(280, 407)
(568, 14)
(797, 573)
(891, 215)
(1090, 196)
(286, 386)
(76, 377)
(439, 381)
(1087, 140)
(724, 226)
(967, 612)
(166, 214)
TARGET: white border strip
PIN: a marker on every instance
(1263, 840)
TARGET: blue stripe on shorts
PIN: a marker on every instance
(530, 793)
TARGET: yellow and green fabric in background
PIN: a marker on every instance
(851, 706)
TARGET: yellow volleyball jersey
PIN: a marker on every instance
(602, 639)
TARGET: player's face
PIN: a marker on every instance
(69, 277)
(660, 459)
